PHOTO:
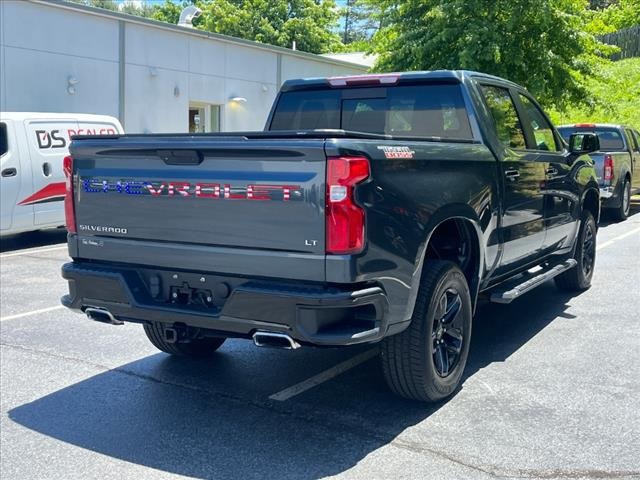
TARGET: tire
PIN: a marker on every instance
(413, 361)
(622, 212)
(579, 277)
(197, 347)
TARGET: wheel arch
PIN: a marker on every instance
(591, 202)
(460, 219)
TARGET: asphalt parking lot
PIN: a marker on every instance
(552, 390)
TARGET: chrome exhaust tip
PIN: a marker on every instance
(275, 340)
(102, 315)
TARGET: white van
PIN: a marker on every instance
(32, 146)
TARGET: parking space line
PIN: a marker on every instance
(33, 312)
(615, 239)
(322, 377)
(32, 251)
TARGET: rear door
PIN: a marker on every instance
(522, 229)
(48, 142)
(558, 191)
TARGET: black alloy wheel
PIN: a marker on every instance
(448, 333)
(588, 250)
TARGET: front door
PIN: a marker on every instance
(560, 194)
(15, 180)
(522, 231)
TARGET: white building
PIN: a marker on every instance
(154, 77)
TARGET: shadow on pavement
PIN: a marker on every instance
(170, 415)
(605, 216)
(39, 238)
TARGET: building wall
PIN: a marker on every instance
(42, 46)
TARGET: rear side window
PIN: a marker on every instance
(505, 116)
(610, 138)
(636, 137)
(4, 140)
(405, 111)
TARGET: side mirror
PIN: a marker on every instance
(581, 143)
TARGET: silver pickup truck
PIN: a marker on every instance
(617, 163)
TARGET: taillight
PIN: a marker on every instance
(69, 211)
(345, 218)
(608, 168)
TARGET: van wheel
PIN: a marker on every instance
(197, 347)
(425, 362)
(579, 277)
(622, 212)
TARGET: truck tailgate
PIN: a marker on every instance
(221, 193)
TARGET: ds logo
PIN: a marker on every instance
(50, 139)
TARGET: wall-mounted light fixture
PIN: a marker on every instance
(153, 72)
(176, 91)
(238, 100)
(71, 84)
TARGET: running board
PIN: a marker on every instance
(529, 281)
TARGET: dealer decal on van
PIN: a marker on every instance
(54, 192)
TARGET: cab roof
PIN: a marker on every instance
(383, 79)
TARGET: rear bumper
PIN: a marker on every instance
(606, 193)
(311, 314)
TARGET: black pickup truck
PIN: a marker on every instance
(376, 208)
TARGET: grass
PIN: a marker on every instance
(615, 97)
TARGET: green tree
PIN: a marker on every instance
(618, 15)
(539, 44)
(308, 23)
(170, 12)
(361, 19)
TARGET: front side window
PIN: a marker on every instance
(540, 127)
(505, 116)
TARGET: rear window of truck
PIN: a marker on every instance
(420, 111)
(610, 138)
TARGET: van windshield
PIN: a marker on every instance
(432, 110)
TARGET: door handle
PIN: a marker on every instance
(551, 171)
(9, 172)
(46, 169)
(512, 174)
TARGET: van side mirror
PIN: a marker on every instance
(581, 143)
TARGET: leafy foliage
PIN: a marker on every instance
(309, 23)
(541, 44)
(614, 96)
(361, 19)
(616, 16)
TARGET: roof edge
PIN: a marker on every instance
(101, 12)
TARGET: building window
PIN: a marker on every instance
(204, 118)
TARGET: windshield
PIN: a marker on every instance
(406, 111)
(610, 138)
